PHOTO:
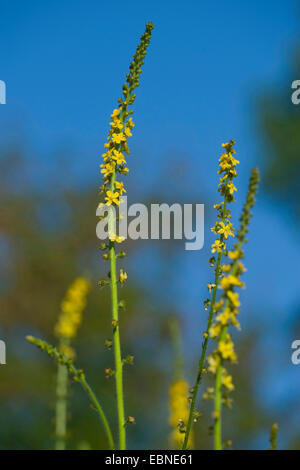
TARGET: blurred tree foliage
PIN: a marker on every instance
(279, 121)
(280, 124)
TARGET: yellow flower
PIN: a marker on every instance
(215, 330)
(106, 156)
(227, 381)
(120, 187)
(71, 309)
(225, 316)
(213, 362)
(107, 169)
(118, 157)
(234, 255)
(210, 287)
(234, 298)
(226, 268)
(226, 349)
(130, 123)
(116, 113)
(117, 124)
(226, 230)
(231, 188)
(123, 276)
(112, 198)
(229, 145)
(217, 246)
(118, 138)
(127, 132)
(227, 282)
(115, 238)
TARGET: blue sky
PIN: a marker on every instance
(64, 63)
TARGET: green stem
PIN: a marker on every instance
(61, 407)
(205, 343)
(116, 331)
(218, 410)
(98, 407)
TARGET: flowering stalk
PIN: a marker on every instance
(223, 228)
(114, 164)
(78, 376)
(66, 329)
(229, 306)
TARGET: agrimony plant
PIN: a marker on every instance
(223, 229)
(115, 165)
(178, 392)
(227, 312)
(223, 311)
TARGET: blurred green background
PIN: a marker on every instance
(211, 74)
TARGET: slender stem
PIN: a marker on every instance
(116, 331)
(61, 407)
(218, 410)
(205, 343)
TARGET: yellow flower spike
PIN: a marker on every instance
(223, 228)
(130, 123)
(71, 309)
(179, 412)
(227, 316)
